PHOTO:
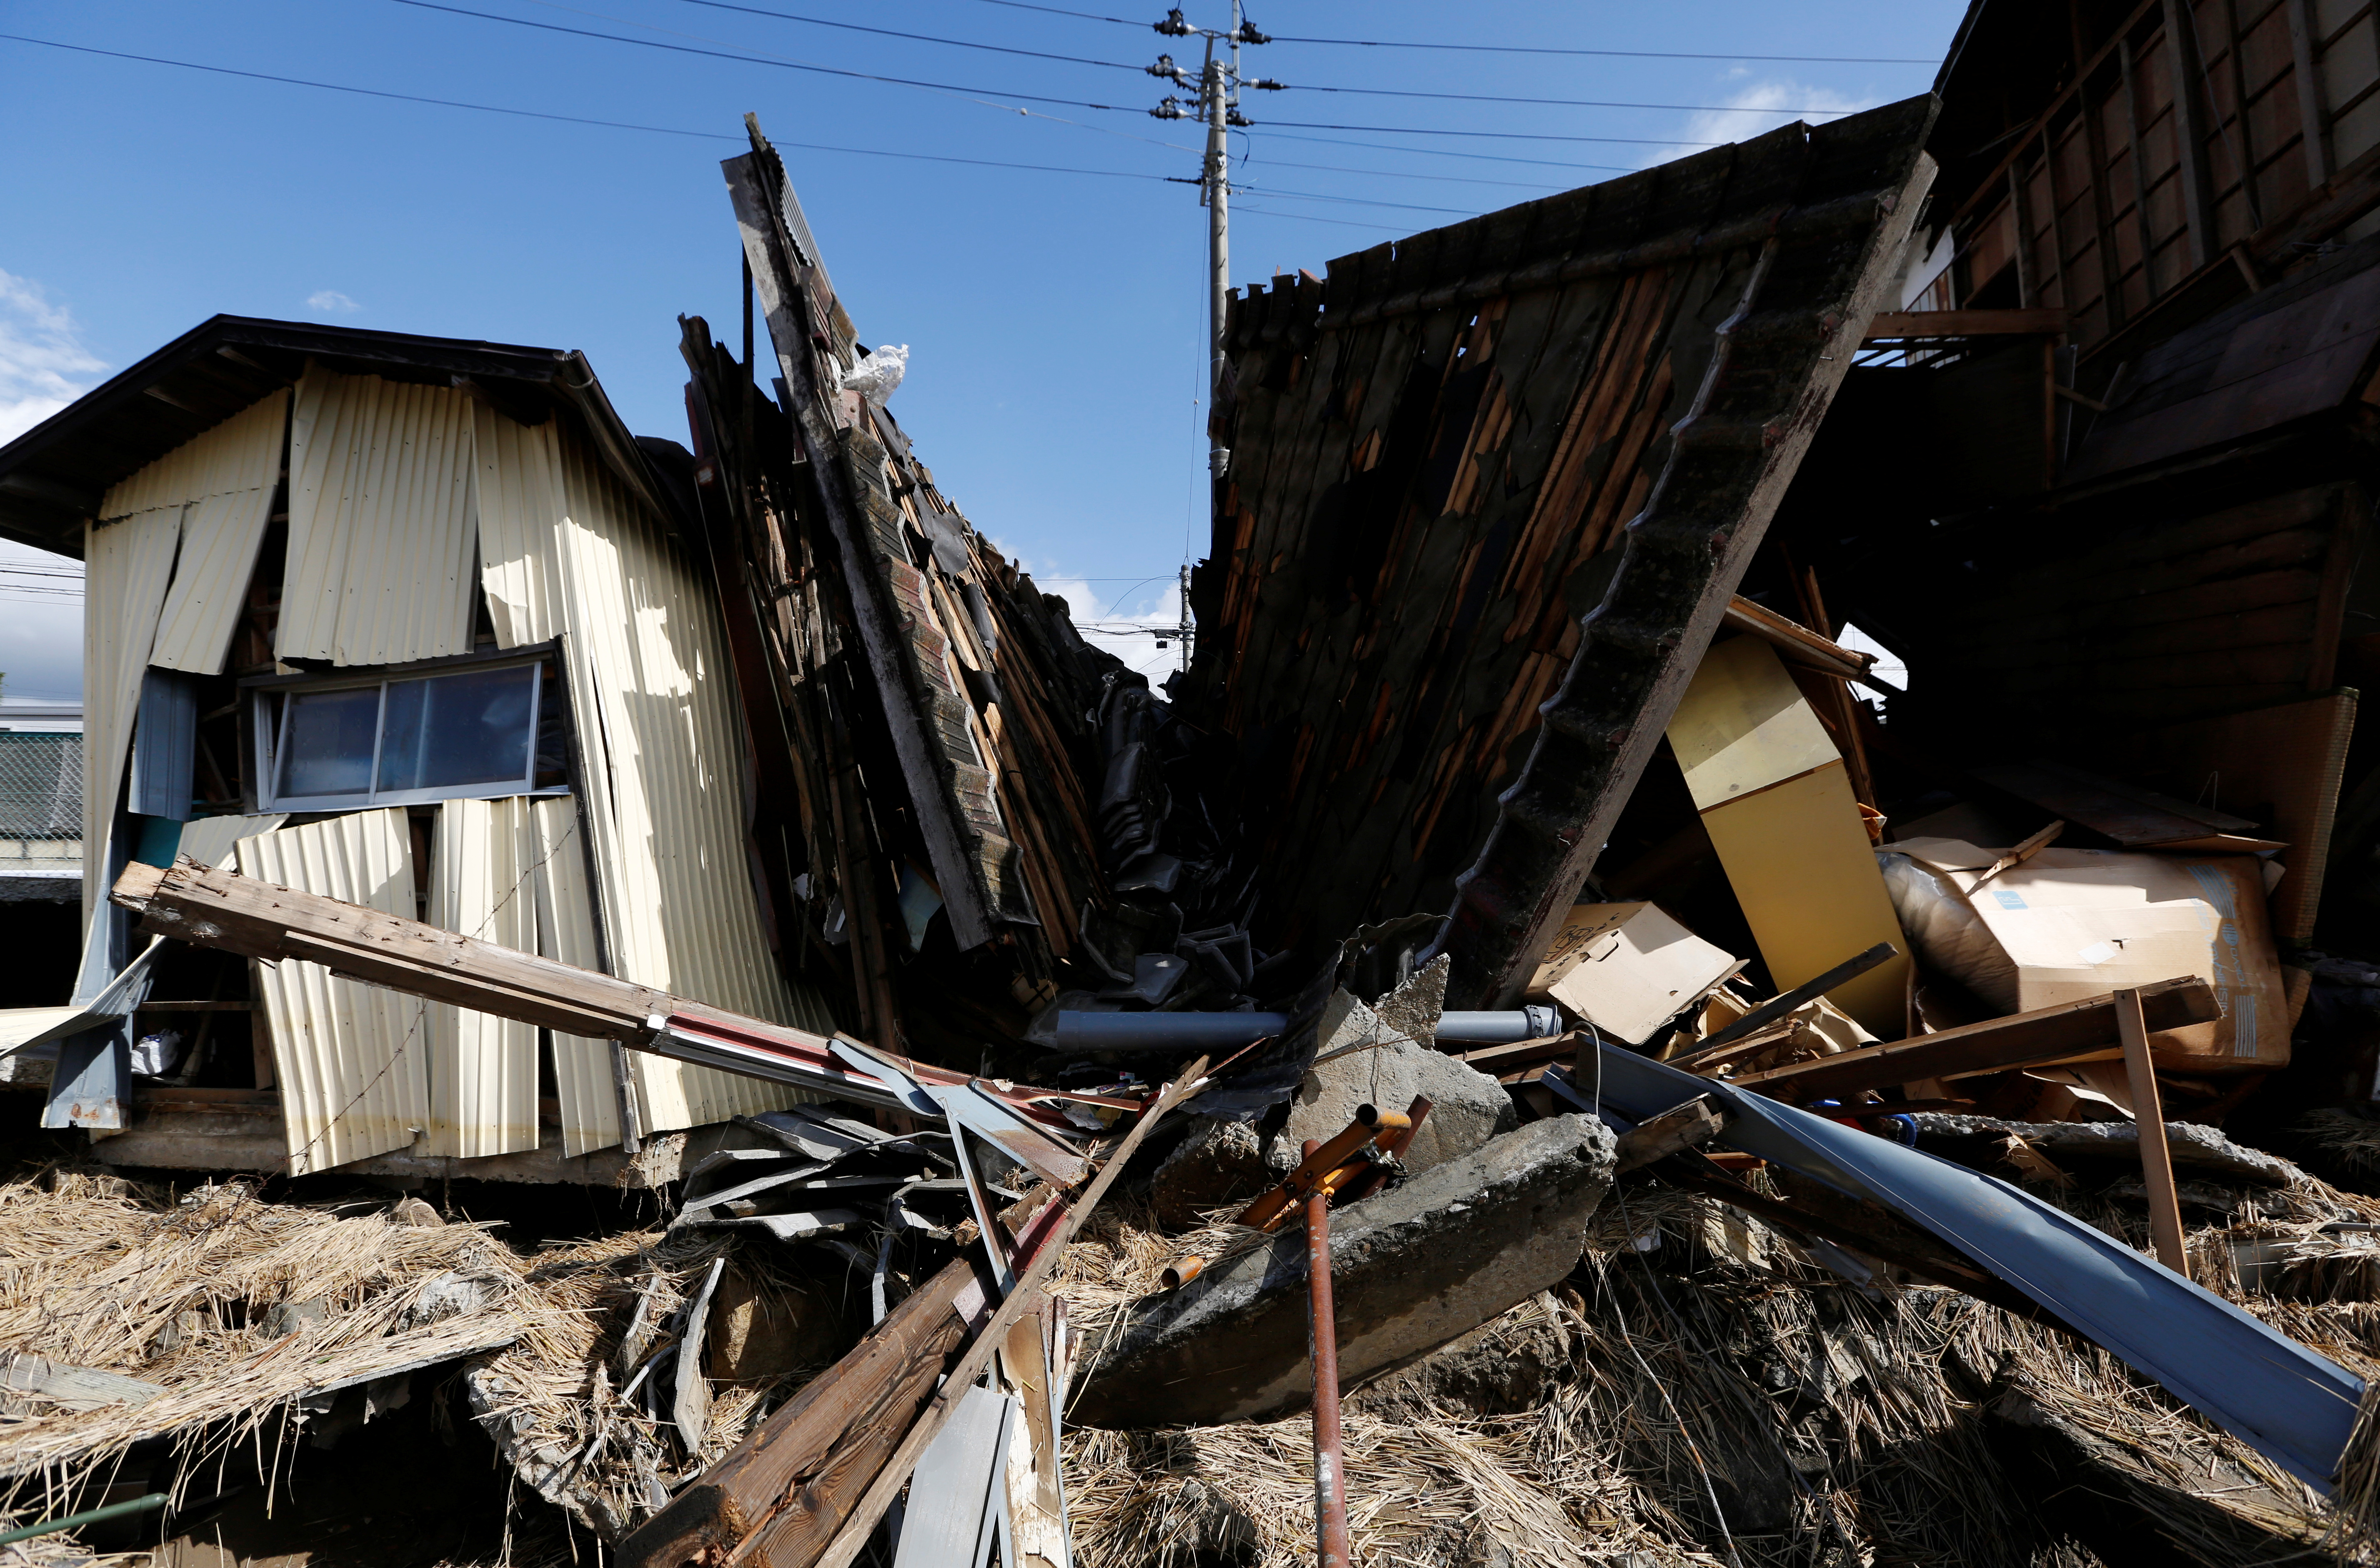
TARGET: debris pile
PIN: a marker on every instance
(1528, 1049)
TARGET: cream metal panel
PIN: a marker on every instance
(483, 1069)
(242, 452)
(565, 550)
(353, 1059)
(383, 551)
(678, 902)
(229, 477)
(126, 565)
(584, 1083)
(211, 840)
(516, 472)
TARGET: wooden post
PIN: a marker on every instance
(2156, 1164)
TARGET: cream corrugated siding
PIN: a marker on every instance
(517, 471)
(228, 477)
(126, 565)
(483, 1069)
(382, 553)
(565, 931)
(210, 840)
(242, 452)
(353, 1059)
(570, 554)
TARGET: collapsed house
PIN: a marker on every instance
(1830, 1130)
(414, 622)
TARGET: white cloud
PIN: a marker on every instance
(332, 302)
(1124, 627)
(1762, 106)
(43, 365)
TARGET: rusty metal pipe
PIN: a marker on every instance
(1181, 1273)
(1369, 1123)
(1322, 1333)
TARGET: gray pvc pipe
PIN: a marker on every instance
(1207, 1031)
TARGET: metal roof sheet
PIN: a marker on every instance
(126, 565)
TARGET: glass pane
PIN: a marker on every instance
(327, 748)
(471, 728)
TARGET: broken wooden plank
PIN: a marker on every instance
(780, 1545)
(209, 907)
(2037, 320)
(2065, 1032)
(843, 1421)
(1695, 1121)
(2148, 1114)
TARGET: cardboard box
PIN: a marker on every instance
(1628, 968)
(2076, 923)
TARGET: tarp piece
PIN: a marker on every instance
(2292, 1405)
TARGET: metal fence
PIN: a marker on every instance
(41, 790)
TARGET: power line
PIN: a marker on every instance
(738, 52)
(755, 58)
(1479, 157)
(917, 37)
(1494, 135)
(1604, 54)
(1506, 48)
(707, 135)
(367, 91)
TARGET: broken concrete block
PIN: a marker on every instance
(1502, 1367)
(1413, 1268)
(1414, 1007)
(1218, 1164)
(1468, 1107)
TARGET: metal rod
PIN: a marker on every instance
(1214, 1031)
(2148, 1115)
(1775, 1007)
(1322, 1331)
(89, 1517)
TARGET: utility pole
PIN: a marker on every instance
(1218, 176)
(1218, 86)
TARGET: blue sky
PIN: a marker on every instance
(1054, 318)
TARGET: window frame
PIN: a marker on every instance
(269, 732)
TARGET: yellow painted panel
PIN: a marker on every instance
(584, 1086)
(1800, 862)
(1743, 725)
(228, 477)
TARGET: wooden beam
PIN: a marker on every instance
(2061, 1033)
(832, 1437)
(2190, 133)
(2040, 319)
(776, 1546)
(2148, 1114)
(2312, 116)
(1695, 1121)
(211, 907)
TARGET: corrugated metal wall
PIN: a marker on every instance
(482, 1069)
(228, 477)
(567, 551)
(126, 563)
(584, 1085)
(353, 1059)
(382, 553)
(211, 840)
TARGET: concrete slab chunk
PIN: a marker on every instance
(1414, 1268)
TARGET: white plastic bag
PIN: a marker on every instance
(1945, 930)
(876, 376)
